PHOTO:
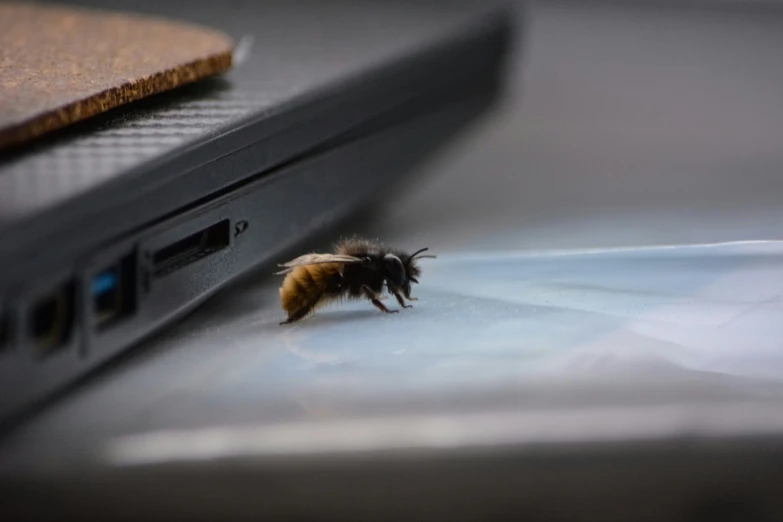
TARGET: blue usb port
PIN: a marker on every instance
(105, 283)
(113, 292)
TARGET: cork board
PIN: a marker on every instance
(60, 65)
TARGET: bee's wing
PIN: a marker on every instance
(317, 259)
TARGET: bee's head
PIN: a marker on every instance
(394, 270)
(402, 270)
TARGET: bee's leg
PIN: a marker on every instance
(409, 298)
(297, 315)
(374, 298)
(399, 299)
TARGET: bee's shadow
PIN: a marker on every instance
(339, 316)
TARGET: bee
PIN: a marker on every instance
(358, 269)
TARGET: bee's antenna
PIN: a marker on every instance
(420, 251)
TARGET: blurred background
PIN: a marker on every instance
(627, 123)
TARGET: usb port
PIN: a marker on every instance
(113, 292)
(51, 319)
(190, 249)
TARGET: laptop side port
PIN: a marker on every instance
(191, 249)
(5, 329)
(113, 292)
(51, 319)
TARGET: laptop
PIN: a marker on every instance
(115, 227)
